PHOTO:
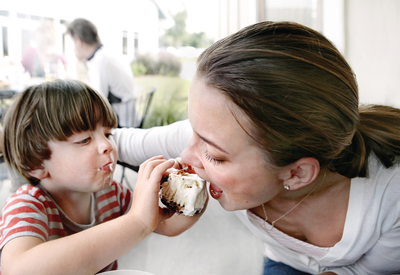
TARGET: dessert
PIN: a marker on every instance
(183, 192)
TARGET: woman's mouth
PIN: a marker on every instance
(215, 191)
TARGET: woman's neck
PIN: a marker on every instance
(297, 213)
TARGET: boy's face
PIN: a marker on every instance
(84, 163)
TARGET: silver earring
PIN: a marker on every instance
(287, 187)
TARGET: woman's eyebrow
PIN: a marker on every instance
(212, 143)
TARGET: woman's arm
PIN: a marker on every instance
(137, 145)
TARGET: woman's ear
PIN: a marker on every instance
(300, 173)
(39, 172)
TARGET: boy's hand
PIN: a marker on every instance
(145, 202)
(180, 223)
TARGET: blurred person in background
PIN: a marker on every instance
(107, 72)
(39, 58)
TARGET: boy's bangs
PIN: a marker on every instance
(75, 110)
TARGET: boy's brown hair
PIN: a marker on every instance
(50, 111)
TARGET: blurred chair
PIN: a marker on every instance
(142, 105)
(6, 96)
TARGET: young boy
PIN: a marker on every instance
(72, 218)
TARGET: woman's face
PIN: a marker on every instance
(222, 153)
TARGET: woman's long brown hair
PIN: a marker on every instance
(301, 97)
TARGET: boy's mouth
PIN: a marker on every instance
(107, 168)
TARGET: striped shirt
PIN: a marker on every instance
(31, 211)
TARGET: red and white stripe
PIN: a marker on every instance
(32, 212)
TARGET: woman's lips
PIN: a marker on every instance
(215, 191)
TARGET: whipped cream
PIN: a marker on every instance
(187, 190)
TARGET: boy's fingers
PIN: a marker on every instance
(160, 169)
(147, 167)
(150, 160)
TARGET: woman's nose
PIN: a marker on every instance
(191, 156)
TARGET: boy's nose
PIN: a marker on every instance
(105, 146)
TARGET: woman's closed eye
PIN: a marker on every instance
(211, 159)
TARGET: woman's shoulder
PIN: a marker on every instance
(379, 192)
(383, 178)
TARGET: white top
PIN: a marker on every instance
(107, 72)
(371, 237)
(286, 240)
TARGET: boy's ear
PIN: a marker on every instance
(39, 172)
(300, 173)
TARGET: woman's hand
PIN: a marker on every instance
(145, 201)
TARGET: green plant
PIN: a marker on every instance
(168, 64)
(169, 102)
(161, 64)
(138, 69)
(148, 61)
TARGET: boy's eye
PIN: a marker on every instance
(84, 141)
(109, 135)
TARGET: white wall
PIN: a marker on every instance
(333, 21)
(373, 49)
(367, 32)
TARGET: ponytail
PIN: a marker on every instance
(378, 131)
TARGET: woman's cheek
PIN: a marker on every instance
(220, 178)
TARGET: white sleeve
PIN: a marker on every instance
(137, 145)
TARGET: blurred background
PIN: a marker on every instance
(162, 38)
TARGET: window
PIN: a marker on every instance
(5, 40)
(136, 42)
(26, 36)
(301, 11)
(124, 42)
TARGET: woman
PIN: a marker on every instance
(279, 134)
